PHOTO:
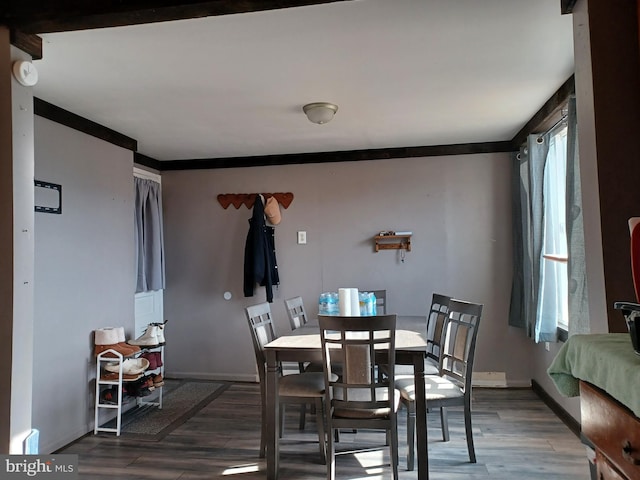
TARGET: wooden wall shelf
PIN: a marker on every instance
(392, 242)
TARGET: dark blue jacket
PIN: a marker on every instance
(260, 266)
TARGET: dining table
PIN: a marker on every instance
(303, 345)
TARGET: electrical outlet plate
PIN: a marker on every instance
(302, 238)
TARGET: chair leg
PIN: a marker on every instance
(469, 432)
(394, 447)
(303, 414)
(281, 426)
(322, 438)
(263, 440)
(411, 435)
(263, 428)
(444, 421)
(331, 453)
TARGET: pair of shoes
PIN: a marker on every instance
(131, 366)
(113, 377)
(139, 388)
(148, 383)
(152, 337)
(109, 396)
(155, 359)
(112, 338)
(158, 381)
(160, 331)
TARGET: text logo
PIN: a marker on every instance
(51, 467)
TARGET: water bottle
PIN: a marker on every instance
(334, 304)
(362, 303)
(374, 302)
(323, 304)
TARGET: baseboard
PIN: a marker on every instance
(562, 414)
(519, 384)
(227, 377)
(60, 443)
(489, 379)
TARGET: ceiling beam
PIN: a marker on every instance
(46, 16)
(550, 112)
(341, 156)
(27, 42)
(65, 117)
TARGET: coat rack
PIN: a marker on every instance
(248, 199)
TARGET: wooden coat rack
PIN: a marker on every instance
(248, 199)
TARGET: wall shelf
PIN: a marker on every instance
(392, 242)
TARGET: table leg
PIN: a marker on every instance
(421, 419)
(273, 413)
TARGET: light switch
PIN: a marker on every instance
(302, 238)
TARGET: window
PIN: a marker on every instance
(549, 291)
(553, 306)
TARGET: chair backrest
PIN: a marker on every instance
(360, 345)
(461, 332)
(262, 332)
(381, 301)
(436, 320)
(296, 312)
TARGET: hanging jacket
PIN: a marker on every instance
(260, 266)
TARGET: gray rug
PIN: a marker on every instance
(181, 400)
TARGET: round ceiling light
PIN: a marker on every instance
(320, 112)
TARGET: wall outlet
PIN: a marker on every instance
(302, 238)
(547, 346)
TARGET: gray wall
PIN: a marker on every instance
(458, 208)
(84, 273)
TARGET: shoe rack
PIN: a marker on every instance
(113, 356)
(103, 358)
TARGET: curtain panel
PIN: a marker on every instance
(532, 307)
(576, 270)
(528, 234)
(148, 236)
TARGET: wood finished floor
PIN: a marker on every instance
(517, 437)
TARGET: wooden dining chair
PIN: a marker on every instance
(452, 386)
(436, 318)
(298, 388)
(359, 399)
(298, 318)
(296, 312)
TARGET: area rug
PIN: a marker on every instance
(181, 400)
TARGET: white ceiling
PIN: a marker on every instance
(403, 73)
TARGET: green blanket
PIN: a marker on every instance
(604, 360)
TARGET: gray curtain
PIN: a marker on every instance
(516, 310)
(577, 289)
(528, 232)
(148, 236)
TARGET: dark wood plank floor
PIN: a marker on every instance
(516, 435)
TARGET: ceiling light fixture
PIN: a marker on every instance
(320, 112)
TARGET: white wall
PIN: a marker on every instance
(458, 208)
(84, 273)
(16, 245)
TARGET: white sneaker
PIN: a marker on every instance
(160, 331)
(148, 339)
